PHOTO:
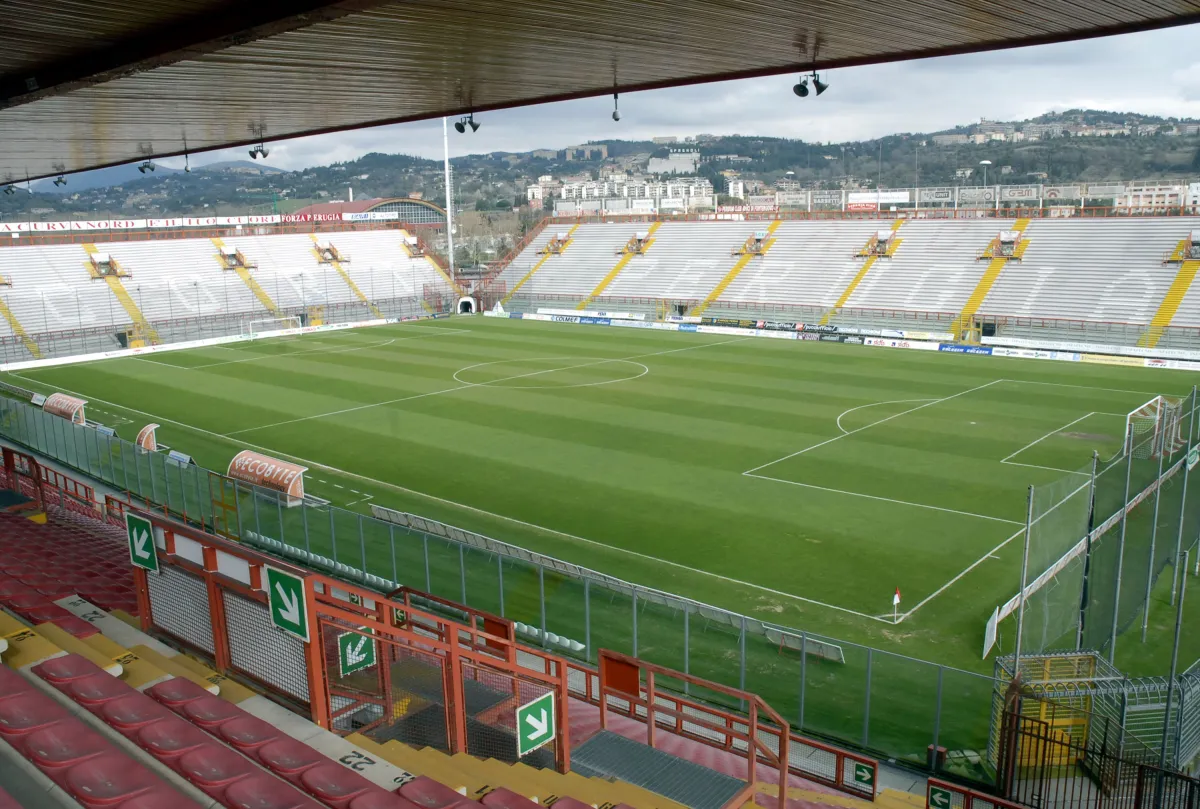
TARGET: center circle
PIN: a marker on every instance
(544, 373)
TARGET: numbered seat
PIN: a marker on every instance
(132, 712)
(92, 692)
(63, 744)
(24, 712)
(248, 733)
(504, 798)
(289, 758)
(264, 792)
(209, 712)
(61, 670)
(108, 780)
(170, 739)
(429, 794)
(334, 785)
(176, 692)
(214, 767)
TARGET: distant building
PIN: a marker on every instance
(995, 128)
(592, 151)
(1039, 131)
(956, 139)
(637, 188)
(665, 140)
(1006, 170)
(545, 154)
(1152, 195)
(681, 161)
(962, 174)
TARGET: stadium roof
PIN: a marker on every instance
(90, 83)
(366, 205)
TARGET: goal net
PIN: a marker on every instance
(1155, 428)
(267, 327)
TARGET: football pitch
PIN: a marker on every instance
(800, 483)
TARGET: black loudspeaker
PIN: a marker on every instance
(988, 330)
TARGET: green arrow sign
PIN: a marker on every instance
(285, 596)
(940, 797)
(142, 552)
(355, 652)
(535, 724)
(864, 774)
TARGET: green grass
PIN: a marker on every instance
(624, 450)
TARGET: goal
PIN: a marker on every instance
(269, 327)
(1155, 428)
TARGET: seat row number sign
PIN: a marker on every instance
(142, 552)
(535, 724)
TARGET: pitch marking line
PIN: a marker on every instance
(470, 385)
(928, 403)
(645, 371)
(874, 404)
(884, 499)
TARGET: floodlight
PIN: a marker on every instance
(616, 116)
(60, 180)
(801, 88)
(459, 127)
(253, 153)
(474, 126)
(819, 85)
(8, 189)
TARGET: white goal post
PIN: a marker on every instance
(1155, 428)
(269, 327)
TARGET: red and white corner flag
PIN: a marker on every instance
(896, 598)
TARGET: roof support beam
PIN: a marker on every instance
(235, 23)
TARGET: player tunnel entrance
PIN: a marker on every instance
(467, 306)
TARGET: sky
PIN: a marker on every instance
(1156, 73)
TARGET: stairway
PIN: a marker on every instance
(142, 329)
(437, 268)
(504, 301)
(337, 265)
(615, 271)
(248, 280)
(966, 317)
(862, 273)
(1170, 303)
(19, 331)
(744, 260)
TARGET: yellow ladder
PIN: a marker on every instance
(1170, 304)
(860, 275)
(457, 289)
(337, 265)
(615, 271)
(141, 327)
(962, 324)
(19, 331)
(248, 280)
(741, 264)
(538, 266)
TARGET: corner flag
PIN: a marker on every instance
(896, 598)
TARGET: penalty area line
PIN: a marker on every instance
(485, 512)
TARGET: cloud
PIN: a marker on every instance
(1132, 73)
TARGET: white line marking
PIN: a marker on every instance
(301, 353)
(645, 371)
(884, 499)
(1047, 468)
(1081, 387)
(874, 404)
(395, 487)
(930, 403)
(1044, 437)
(476, 385)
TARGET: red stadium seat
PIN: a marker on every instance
(63, 744)
(214, 767)
(169, 739)
(248, 733)
(334, 785)
(430, 794)
(288, 757)
(12, 683)
(383, 800)
(132, 712)
(265, 792)
(209, 712)
(176, 692)
(25, 712)
(108, 780)
(507, 799)
(68, 668)
(96, 690)
(161, 798)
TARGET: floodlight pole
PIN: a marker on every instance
(1183, 501)
(1087, 555)
(1162, 450)
(449, 195)
(1180, 561)
(1024, 582)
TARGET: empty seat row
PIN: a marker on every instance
(81, 761)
